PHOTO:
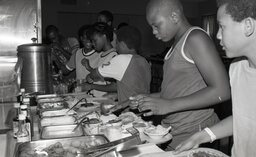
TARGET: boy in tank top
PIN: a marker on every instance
(194, 76)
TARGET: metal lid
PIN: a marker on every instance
(33, 47)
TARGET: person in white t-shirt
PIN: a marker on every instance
(101, 35)
(86, 51)
(130, 70)
(237, 35)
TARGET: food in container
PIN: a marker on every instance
(62, 147)
(127, 117)
(51, 132)
(50, 100)
(54, 113)
(52, 106)
(111, 132)
(92, 126)
(61, 120)
(107, 118)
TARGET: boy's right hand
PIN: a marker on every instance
(136, 100)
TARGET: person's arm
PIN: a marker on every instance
(66, 70)
(70, 65)
(222, 129)
(105, 88)
(202, 51)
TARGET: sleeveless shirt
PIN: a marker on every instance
(181, 78)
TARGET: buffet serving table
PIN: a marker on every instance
(149, 147)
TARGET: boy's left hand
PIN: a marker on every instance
(191, 143)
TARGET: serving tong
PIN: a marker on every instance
(122, 144)
(104, 110)
(77, 104)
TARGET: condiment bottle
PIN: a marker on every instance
(15, 120)
(22, 90)
(24, 111)
(26, 101)
(23, 133)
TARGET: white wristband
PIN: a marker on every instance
(211, 134)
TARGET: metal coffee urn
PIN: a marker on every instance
(35, 74)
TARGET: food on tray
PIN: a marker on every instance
(127, 117)
(139, 124)
(46, 100)
(60, 112)
(156, 130)
(107, 118)
(53, 105)
(73, 149)
(61, 120)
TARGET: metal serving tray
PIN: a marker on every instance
(56, 113)
(56, 121)
(76, 144)
(62, 131)
(43, 96)
(51, 99)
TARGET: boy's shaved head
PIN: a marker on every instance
(166, 7)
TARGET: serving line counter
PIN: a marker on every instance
(148, 146)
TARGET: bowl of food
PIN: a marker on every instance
(157, 132)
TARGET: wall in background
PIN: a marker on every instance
(69, 15)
